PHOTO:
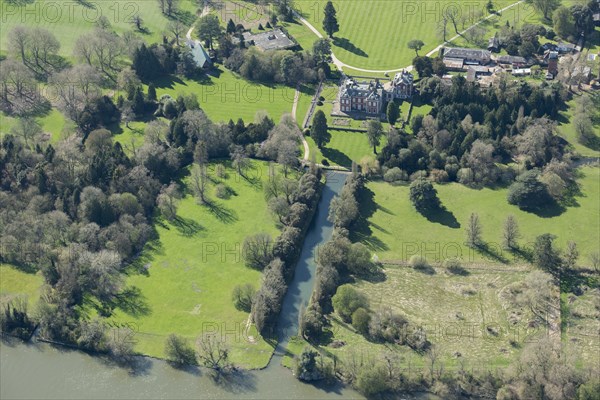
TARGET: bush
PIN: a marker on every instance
(347, 300)
(221, 191)
(360, 321)
(418, 262)
(454, 266)
(371, 380)
(319, 103)
(325, 162)
(179, 351)
(321, 98)
(395, 174)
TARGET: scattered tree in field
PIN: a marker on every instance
(330, 22)
(416, 45)
(240, 160)
(511, 233)
(178, 351)
(167, 201)
(318, 131)
(258, 250)
(177, 29)
(424, 196)
(545, 256)
(393, 112)
(242, 296)
(473, 230)
(374, 133)
(28, 129)
(546, 7)
(571, 255)
(213, 353)
(199, 182)
(347, 300)
(137, 21)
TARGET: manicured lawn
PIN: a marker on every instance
(194, 265)
(344, 147)
(69, 20)
(375, 34)
(395, 230)
(229, 96)
(306, 96)
(14, 283)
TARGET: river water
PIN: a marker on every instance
(37, 370)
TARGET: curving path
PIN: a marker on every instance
(304, 142)
(340, 64)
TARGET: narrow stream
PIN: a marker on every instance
(29, 371)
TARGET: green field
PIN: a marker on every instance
(395, 230)
(374, 34)
(567, 130)
(16, 283)
(228, 96)
(344, 147)
(53, 123)
(69, 20)
(193, 267)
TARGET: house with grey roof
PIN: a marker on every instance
(468, 56)
(200, 56)
(515, 61)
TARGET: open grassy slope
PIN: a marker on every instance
(69, 20)
(193, 267)
(394, 230)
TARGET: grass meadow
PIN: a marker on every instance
(15, 282)
(68, 20)
(394, 230)
(186, 276)
(226, 96)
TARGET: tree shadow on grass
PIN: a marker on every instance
(361, 230)
(349, 46)
(221, 212)
(337, 157)
(492, 252)
(187, 227)
(133, 302)
(443, 217)
(550, 211)
(168, 82)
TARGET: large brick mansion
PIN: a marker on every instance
(371, 97)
